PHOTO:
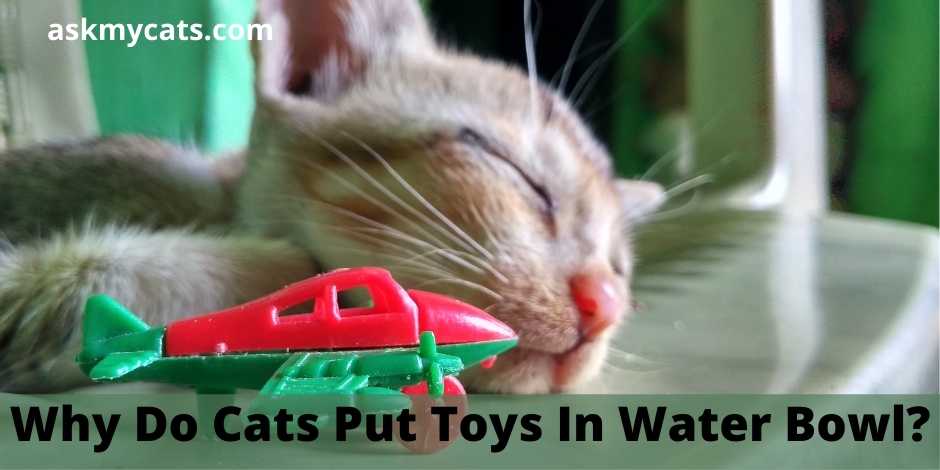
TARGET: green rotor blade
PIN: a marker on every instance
(435, 380)
(427, 346)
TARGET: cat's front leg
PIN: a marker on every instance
(160, 275)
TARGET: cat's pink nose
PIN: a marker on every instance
(598, 300)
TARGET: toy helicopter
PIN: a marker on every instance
(299, 341)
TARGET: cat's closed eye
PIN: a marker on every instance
(519, 215)
(547, 205)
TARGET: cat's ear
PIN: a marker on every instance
(639, 198)
(319, 48)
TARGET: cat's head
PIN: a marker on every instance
(373, 145)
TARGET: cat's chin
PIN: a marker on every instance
(528, 371)
(578, 366)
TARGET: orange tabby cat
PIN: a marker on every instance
(371, 145)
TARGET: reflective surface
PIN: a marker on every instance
(752, 302)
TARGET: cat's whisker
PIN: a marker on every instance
(631, 362)
(615, 347)
(454, 256)
(361, 193)
(355, 216)
(352, 187)
(676, 151)
(610, 98)
(688, 185)
(411, 254)
(431, 208)
(586, 52)
(401, 260)
(572, 54)
(683, 209)
(661, 227)
(382, 236)
(674, 191)
(726, 159)
(464, 283)
(384, 190)
(433, 252)
(612, 368)
(691, 184)
(451, 255)
(590, 76)
(414, 275)
(537, 29)
(661, 162)
(397, 252)
(447, 253)
(484, 264)
(416, 271)
(530, 61)
(485, 226)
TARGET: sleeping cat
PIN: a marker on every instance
(370, 145)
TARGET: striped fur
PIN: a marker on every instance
(382, 149)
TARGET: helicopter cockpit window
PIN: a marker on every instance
(303, 308)
(355, 301)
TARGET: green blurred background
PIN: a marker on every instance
(881, 62)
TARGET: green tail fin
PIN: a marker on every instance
(114, 341)
(105, 318)
(117, 365)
